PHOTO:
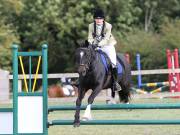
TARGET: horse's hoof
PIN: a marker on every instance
(110, 102)
(76, 124)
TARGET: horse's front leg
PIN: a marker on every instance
(81, 94)
(87, 114)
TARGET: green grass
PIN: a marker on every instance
(115, 130)
(120, 114)
(117, 114)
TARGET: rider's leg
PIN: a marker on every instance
(116, 86)
(111, 52)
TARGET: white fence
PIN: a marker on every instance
(75, 75)
(4, 85)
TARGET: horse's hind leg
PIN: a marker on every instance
(124, 94)
(110, 96)
(81, 94)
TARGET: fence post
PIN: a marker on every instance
(15, 87)
(45, 83)
(138, 62)
(176, 65)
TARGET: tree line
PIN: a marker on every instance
(147, 27)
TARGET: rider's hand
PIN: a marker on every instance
(97, 48)
(95, 45)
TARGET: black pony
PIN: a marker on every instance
(93, 75)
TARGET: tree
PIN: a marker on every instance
(120, 13)
(8, 33)
(155, 12)
(62, 24)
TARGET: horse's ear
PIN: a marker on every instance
(86, 43)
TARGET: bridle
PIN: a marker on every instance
(86, 65)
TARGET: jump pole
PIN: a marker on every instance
(173, 78)
(36, 123)
(176, 65)
(31, 121)
(138, 62)
(173, 63)
(117, 122)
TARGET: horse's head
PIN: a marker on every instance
(83, 58)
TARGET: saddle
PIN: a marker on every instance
(107, 63)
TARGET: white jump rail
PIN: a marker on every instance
(75, 75)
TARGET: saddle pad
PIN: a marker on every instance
(104, 60)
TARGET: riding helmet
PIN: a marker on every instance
(99, 14)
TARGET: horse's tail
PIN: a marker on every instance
(125, 83)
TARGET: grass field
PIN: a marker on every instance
(121, 114)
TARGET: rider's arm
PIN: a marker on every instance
(90, 34)
(107, 35)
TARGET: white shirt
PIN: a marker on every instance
(98, 32)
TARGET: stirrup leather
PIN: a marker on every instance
(116, 87)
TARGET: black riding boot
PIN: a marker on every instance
(116, 86)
